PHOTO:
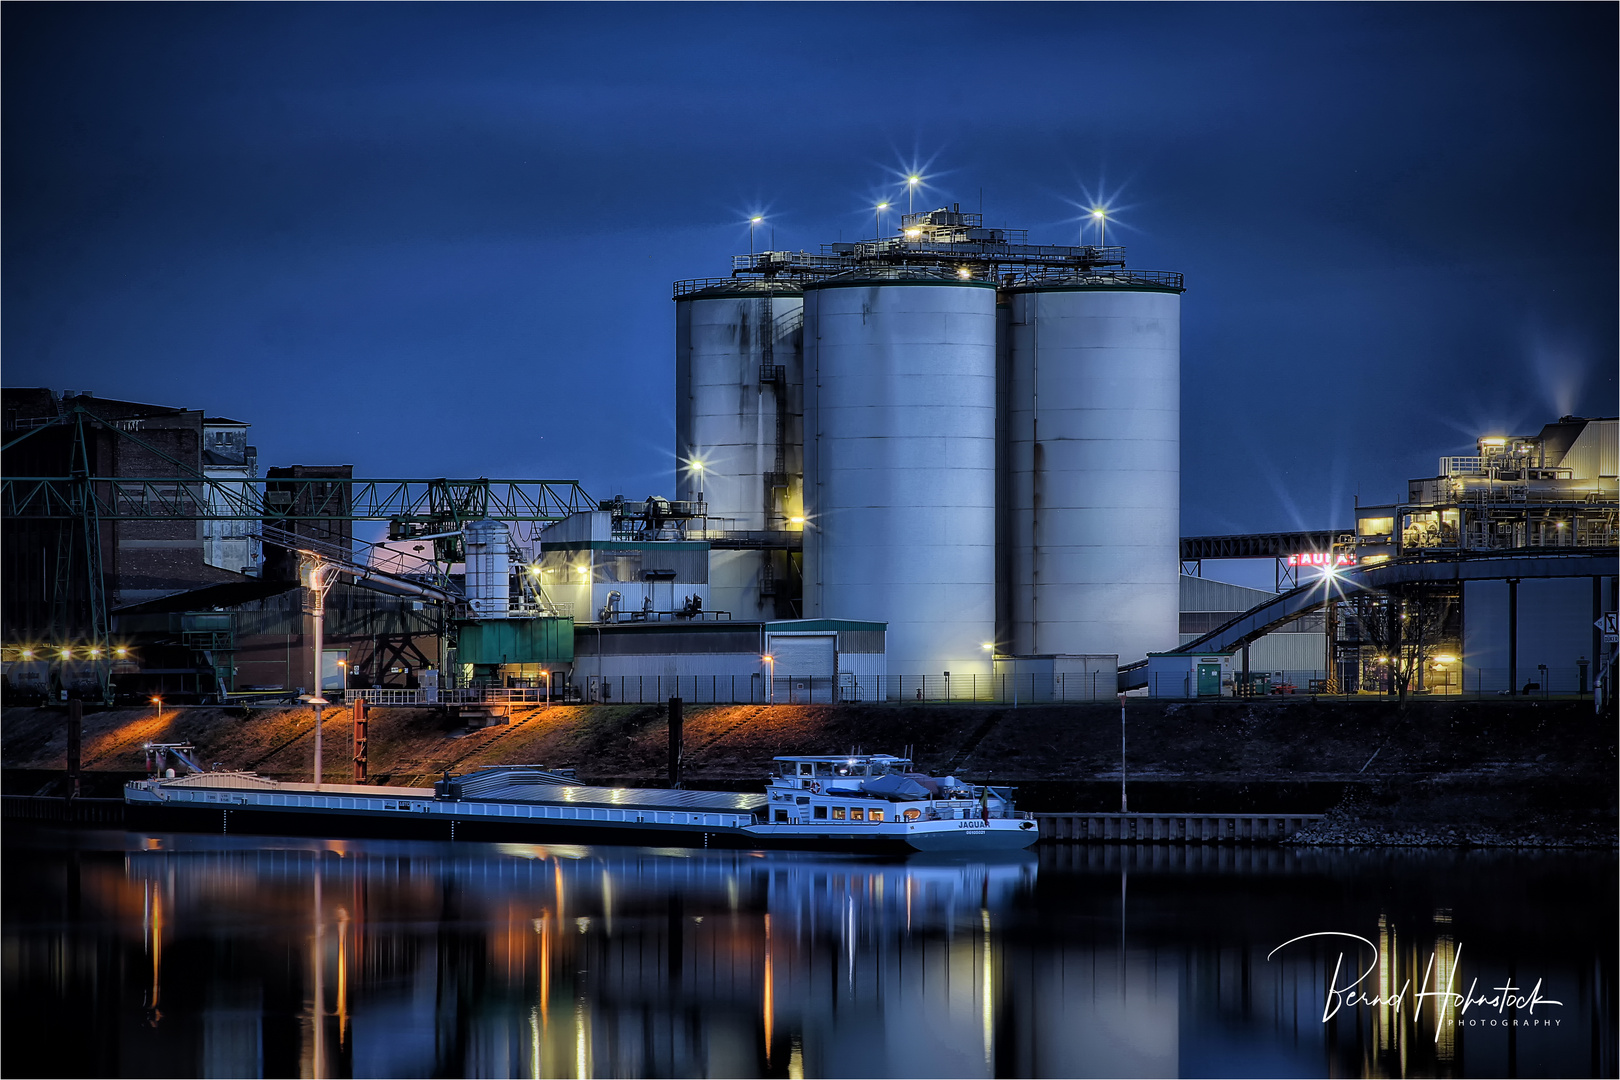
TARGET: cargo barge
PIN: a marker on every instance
(859, 803)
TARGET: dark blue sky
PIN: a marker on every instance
(438, 240)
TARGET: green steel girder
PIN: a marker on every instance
(408, 505)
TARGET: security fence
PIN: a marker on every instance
(1021, 689)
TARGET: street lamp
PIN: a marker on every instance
(318, 576)
(1100, 216)
(751, 223)
(882, 206)
(911, 189)
(157, 708)
(1124, 807)
(770, 687)
(697, 467)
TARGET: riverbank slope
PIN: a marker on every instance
(1453, 772)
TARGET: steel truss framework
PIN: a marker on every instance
(424, 507)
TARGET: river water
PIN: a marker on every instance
(130, 954)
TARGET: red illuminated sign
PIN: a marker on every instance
(1321, 558)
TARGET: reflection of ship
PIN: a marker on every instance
(529, 959)
(862, 802)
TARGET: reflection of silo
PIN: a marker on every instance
(1094, 464)
(489, 565)
(900, 403)
(739, 379)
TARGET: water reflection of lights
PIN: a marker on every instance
(985, 993)
(446, 957)
(770, 981)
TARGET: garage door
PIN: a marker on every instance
(813, 655)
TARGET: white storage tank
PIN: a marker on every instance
(900, 421)
(739, 433)
(1093, 460)
(489, 567)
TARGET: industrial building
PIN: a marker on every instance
(1494, 576)
(1552, 492)
(970, 437)
(939, 464)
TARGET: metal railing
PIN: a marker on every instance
(759, 689)
(1449, 681)
(1117, 278)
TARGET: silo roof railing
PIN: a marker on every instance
(1120, 278)
(781, 284)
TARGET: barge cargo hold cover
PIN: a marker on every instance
(527, 803)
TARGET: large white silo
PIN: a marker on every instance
(739, 431)
(489, 567)
(1094, 465)
(900, 421)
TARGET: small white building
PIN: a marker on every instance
(1190, 675)
(586, 568)
(801, 661)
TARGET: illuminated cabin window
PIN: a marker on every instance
(857, 814)
(913, 815)
(838, 813)
(819, 812)
(876, 815)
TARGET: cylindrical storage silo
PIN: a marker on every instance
(1094, 465)
(739, 431)
(900, 421)
(489, 566)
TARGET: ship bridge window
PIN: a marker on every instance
(824, 768)
(807, 768)
(787, 768)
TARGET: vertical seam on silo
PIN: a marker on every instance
(1033, 306)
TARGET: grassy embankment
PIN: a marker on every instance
(1494, 769)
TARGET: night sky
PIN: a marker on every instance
(439, 240)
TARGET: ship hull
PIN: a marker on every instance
(228, 812)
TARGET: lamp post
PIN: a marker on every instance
(1124, 806)
(157, 708)
(1100, 216)
(770, 686)
(878, 216)
(751, 223)
(318, 576)
(911, 191)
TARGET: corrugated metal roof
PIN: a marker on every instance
(1205, 594)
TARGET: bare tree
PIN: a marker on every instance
(1404, 627)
